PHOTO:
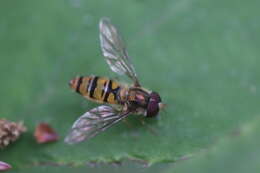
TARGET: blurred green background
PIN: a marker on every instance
(203, 60)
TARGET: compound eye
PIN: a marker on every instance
(153, 105)
(152, 109)
(156, 96)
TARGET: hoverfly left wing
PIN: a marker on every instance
(93, 122)
(114, 50)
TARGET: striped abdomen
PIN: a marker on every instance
(99, 89)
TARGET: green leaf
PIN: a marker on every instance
(203, 60)
(238, 153)
(126, 167)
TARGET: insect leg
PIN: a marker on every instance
(149, 128)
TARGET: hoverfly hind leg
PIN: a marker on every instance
(149, 128)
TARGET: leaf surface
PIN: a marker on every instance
(203, 60)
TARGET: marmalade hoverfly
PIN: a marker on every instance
(129, 99)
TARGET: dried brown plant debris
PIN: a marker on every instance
(44, 133)
(10, 132)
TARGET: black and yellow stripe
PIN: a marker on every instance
(111, 92)
(99, 89)
(93, 86)
(79, 84)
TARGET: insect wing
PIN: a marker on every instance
(93, 122)
(115, 51)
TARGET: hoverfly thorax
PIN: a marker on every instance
(138, 97)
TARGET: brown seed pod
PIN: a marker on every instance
(10, 131)
(45, 134)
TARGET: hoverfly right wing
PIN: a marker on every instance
(93, 122)
(114, 50)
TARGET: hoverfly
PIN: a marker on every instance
(129, 99)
